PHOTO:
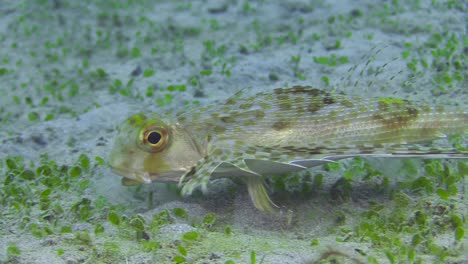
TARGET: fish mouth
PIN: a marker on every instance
(143, 177)
(147, 177)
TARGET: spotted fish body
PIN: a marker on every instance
(286, 130)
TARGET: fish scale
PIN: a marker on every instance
(276, 132)
(358, 122)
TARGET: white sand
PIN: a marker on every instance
(46, 45)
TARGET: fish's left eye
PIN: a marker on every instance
(154, 139)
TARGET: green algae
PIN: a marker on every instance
(415, 211)
(50, 77)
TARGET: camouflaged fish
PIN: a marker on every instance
(277, 132)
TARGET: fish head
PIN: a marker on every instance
(148, 149)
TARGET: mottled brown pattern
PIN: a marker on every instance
(347, 103)
(304, 89)
(314, 106)
(228, 119)
(280, 125)
(398, 119)
(328, 100)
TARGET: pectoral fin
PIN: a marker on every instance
(309, 163)
(226, 169)
(267, 167)
(446, 154)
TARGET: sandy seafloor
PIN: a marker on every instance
(71, 71)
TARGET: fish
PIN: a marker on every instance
(276, 132)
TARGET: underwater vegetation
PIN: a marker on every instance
(71, 71)
(49, 202)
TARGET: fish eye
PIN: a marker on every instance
(153, 137)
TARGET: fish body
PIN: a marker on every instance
(277, 132)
